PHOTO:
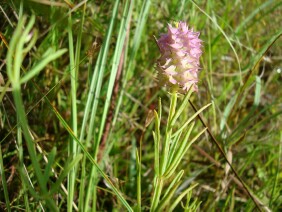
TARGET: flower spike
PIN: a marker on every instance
(179, 62)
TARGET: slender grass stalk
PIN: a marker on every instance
(74, 67)
(84, 201)
(277, 172)
(133, 51)
(210, 64)
(4, 182)
(117, 56)
(101, 69)
(72, 144)
(88, 155)
(138, 167)
(22, 166)
(117, 59)
(90, 96)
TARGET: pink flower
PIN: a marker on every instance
(179, 62)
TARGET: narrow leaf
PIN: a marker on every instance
(176, 179)
(51, 158)
(38, 67)
(166, 200)
(182, 106)
(179, 198)
(191, 119)
(67, 168)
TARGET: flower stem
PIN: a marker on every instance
(157, 193)
(165, 149)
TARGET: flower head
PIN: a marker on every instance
(179, 62)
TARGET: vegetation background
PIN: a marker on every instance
(92, 104)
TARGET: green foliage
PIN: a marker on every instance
(78, 94)
(171, 151)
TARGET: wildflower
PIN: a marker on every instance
(179, 62)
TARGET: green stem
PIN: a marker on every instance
(165, 150)
(157, 194)
(4, 182)
(30, 145)
(138, 165)
(21, 164)
(72, 144)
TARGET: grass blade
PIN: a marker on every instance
(4, 182)
(40, 65)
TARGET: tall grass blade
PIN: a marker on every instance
(4, 182)
(138, 193)
(133, 51)
(225, 35)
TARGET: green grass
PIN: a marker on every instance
(84, 125)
